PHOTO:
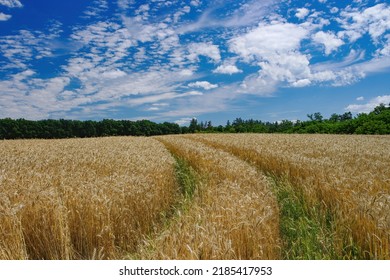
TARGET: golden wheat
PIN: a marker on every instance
(349, 175)
(111, 197)
(81, 198)
(233, 214)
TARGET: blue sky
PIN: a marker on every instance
(174, 60)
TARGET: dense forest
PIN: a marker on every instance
(375, 122)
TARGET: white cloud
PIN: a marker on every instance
(158, 106)
(273, 47)
(258, 85)
(153, 109)
(348, 76)
(204, 49)
(180, 13)
(183, 121)
(250, 13)
(150, 54)
(227, 69)
(375, 65)
(125, 4)
(368, 107)
(191, 93)
(301, 83)
(186, 73)
(374, 20)
(266, 41)
(142, 12)
(24, 95)
(143, 8)
(97, 7)
(360, 98)
(302, 13)
(203, 84)
(246, 15)
(113, 74)
(352, 58)
(139, 31)
(161, 97)
(328, 40)
(4, 17)
(25, 46)
(11, 3)
(385, 51)
(195, 3)
(352, 69)
(288, 68)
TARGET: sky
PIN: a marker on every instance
(172, 61)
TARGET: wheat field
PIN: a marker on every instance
(81, 198)
(348, 176)
(201, 196)
(233, 215)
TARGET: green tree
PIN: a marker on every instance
(194, 127)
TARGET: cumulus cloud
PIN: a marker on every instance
(274, 47)
(328, 40)
(368, 107)
(203, 84)
(302, 13)
(4, 17)
(266, 41)
(373, 20)
(301, 83)
(227, 69)
(205, 49)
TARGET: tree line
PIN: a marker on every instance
(375, 122)
(53, 129)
